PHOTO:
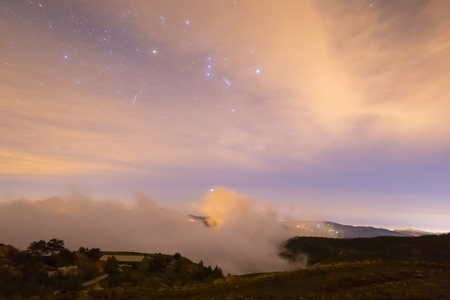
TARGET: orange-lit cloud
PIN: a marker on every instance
(248, 242)
(281, 98)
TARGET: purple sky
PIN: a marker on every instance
(332, 110)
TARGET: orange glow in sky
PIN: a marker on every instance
(337, 109)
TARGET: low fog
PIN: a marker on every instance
(244, 237)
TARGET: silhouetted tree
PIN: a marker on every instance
(62, 258)
(208, 271)
(111, 265)
(55, 246)
(94, 253)
(217, 272)
(52, 247)
(38, 248)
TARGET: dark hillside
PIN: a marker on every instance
(430, 248)
(367, 280)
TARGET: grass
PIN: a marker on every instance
(359, 280)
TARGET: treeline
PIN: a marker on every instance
(48, 267)
(159, 271)
(39, 270)
(430, 248)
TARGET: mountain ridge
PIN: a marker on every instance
(331, 229)
(337, 230)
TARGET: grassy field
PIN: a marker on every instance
(358, 280)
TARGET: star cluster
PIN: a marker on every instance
(287, 101)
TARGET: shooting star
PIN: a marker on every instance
(134, 100)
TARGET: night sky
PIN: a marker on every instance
(330, 110)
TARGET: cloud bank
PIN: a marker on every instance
(247, 238)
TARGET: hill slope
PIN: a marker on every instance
(430, 248)
(336, 230)
(369, 280)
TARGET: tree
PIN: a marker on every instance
(94, 253)
(111, 265)
(38, 248)
(55, 246)
(208, 271)
(217, 272)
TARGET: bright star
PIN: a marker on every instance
(154, 51)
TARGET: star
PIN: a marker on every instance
(210, 64)
(230, 57)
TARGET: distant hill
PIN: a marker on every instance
(336, 230)
(413, 232)
(332, 229)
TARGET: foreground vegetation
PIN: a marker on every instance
(47, 270)
(370, 268)
(362, 280)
